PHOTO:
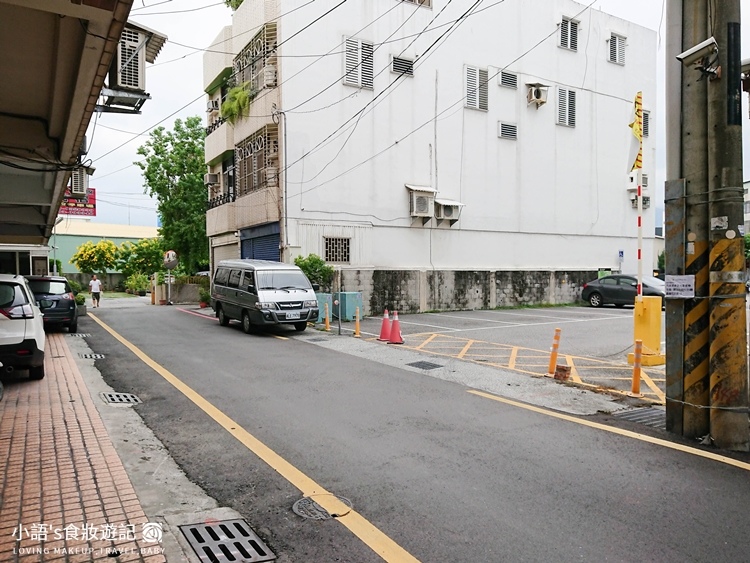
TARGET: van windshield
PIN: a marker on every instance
(282, 279)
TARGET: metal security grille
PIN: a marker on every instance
(226, 540)
(91, 356)
(256, 63)
(120, 398)
(337, 249)
(257, 161)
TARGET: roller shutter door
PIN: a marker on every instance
(226, 252)
(262, 248)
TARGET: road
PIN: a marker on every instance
(435, 471)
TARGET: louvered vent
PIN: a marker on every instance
(508, 79)
(402, 66)
(508, 131)
(569, 34)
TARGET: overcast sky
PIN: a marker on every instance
(175, 85)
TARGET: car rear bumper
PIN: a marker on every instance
(22, 355)
(59, 316)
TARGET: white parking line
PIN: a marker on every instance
(521, 315)
(496, 327)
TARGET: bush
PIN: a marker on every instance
(75, 286)
(316, 270)
(137, 282)
(80, 299)
(204, 296)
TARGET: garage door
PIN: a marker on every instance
(262, 248)
(226, 252)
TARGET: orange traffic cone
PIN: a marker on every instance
(385, 328)
(396, 337)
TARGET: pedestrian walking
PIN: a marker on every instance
(95, 286)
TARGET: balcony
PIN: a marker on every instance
(219, 140)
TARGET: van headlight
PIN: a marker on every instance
(262, 305)
(310, 304)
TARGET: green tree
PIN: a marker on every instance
(173, 171)
(146, 255)
(234, 4)
(747, 248)
(316, 270)
(661, 260)
(97, 258)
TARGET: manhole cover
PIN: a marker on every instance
(308, 508)
(424, 365)
(226, 540)
(78, 335)
(655, 418)
(91, 356)
(120, 398)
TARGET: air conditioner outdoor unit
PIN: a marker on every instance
(269, 76)
(421, 204)
(79, 183)
(443, 211)
(536, 95)
(130, 64)
(213, 105)
(211, 179)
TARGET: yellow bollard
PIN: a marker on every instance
(553, 353)
(647, 329)
(327, 319)
(356, 323)
(636, 388)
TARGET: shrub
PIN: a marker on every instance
(75, 286)
(80, 299)
(137, 282)
(204, 296)
(316, 270)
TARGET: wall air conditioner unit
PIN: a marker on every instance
(130, 63)
(536, 94)
(211, 179)
(447, 210)
(79, 183)
(421, 202)
(213, 105)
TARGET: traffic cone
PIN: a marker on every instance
(396, 337)
(385, 328)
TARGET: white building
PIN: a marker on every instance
(428, 136)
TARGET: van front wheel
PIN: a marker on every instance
(247, 326)
(299, 327)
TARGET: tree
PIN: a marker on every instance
(234, 4)
(146, 255)
(92, 258)
(661, 261)
(173, 171)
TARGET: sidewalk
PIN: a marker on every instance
(64, 493)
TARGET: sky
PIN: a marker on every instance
(175, 85)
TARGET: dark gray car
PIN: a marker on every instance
(620, 290)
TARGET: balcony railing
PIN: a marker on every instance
(221, 200)
(215, 125)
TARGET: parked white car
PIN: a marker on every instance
(22, 338)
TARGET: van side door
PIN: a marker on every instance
(233, 307)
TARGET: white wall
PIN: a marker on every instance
(555, 198)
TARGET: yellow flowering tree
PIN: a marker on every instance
(92, 258)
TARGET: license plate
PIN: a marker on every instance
(290, 316)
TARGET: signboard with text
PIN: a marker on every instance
(680, 287)
(81, 207)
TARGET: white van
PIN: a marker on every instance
(260, 292)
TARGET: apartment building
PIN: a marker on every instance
(430, 135)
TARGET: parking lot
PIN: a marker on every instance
(594, 343)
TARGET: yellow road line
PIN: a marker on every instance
(426, 342)
(376, 540)
(573, 371)
(654, 387)
(512, 360)
(621, 432)
(462, 353)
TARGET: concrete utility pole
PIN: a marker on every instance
(707, 372)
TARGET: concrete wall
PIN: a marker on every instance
(412, 291)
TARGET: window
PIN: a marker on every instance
(646, 122)
(337, 249)
(256, 63)
(566, 107)
(402, 66)
(234, 278)
(508, 79)
(256, 161)
(476, 88)
(222, 276)
(427, 3)
(569, 34)
(617, 49)
(358, 63)
(507, 131)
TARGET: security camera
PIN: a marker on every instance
(700, 51)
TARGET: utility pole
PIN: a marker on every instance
(728, 328)
(707, 377)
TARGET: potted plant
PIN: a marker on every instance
(81, 304)
(204, 297)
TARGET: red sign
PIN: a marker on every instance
(82, 207)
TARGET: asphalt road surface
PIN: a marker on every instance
(434, 471)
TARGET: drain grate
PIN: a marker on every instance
(91, 356)
(424, 365)
(226, 540)
(308, 508)
(317, 339)
(655, 418)
(120, 398)
(78, 335)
